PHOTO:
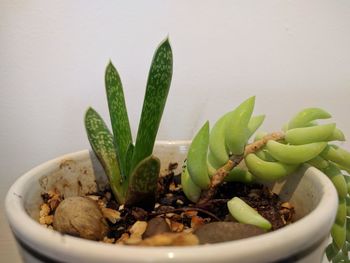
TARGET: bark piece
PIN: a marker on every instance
(171, 239)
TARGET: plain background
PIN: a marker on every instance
(290, 54)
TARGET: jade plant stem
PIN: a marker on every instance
(233, 161)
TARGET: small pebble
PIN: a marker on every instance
(80, 216)
(225, 231)
(156, 225)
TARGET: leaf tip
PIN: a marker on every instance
(110, 66)
(155, 159)
(206, 125)
(88, 111)
(252, 98)
(110, 63)
(165, 42)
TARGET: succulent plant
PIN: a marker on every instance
(132, 170)
(215, 155)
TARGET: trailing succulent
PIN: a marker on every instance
(224, 154)
(217, 155)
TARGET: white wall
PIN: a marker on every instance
(290, 54)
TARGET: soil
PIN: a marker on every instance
(174, 213)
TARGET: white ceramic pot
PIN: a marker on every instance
(309, 190)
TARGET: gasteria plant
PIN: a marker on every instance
(223, 154)
(132, 170)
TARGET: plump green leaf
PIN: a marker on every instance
(197, 158)
(101, 141)
(157, 89)
(118, 114)
(143, 183)
(331, 251)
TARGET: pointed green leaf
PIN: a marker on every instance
(157, 89)
(197, 158)
(190, 189)
(337, 154)
(246, 214)
(254, 123)
(304, 117)
(118, 114)
(101, 141)
(143, 183)
(237, 132)
(338, 233)
(128, 157)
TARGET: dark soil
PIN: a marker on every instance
(175, 213)
(172, 203)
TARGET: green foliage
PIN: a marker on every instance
(143, 183)
(197, 158)
(237, 132)
(158, 85)
(244, 213)
(101, 141)
(119, 116)
(209, 152)
(303, 141)
(132, 170)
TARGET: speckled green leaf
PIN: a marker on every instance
(118, 114)
(101, 141)
(128, 157)
(143, 183)
(157, 89)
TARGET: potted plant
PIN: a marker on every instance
(284, 161)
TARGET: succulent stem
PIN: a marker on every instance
(234, 160)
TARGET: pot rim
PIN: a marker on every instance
(37, 237)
